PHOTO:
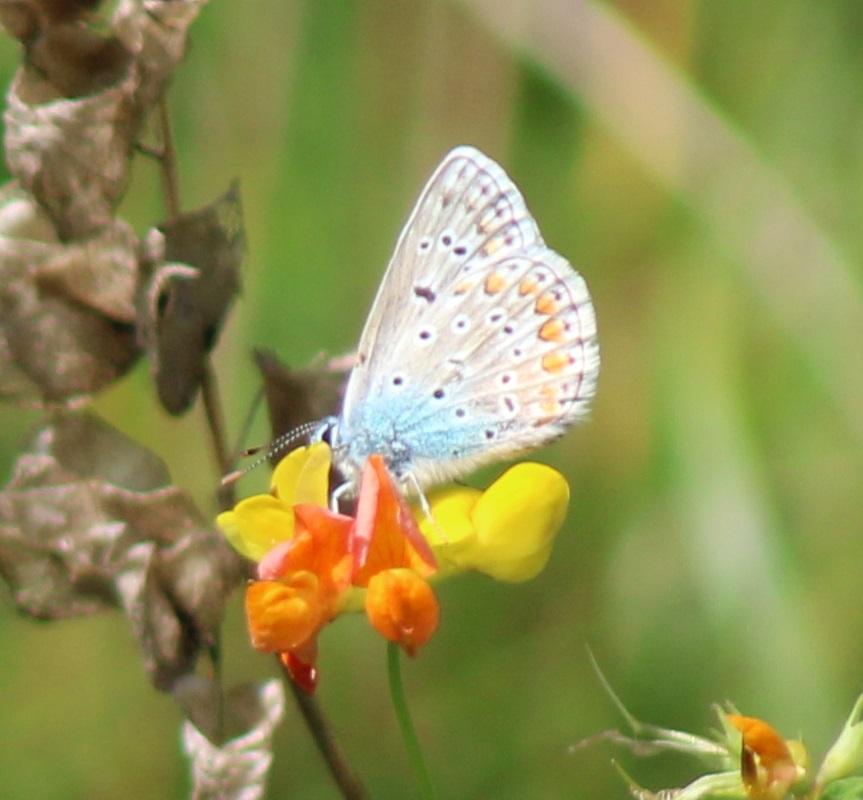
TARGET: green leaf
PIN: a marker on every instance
(846, 789)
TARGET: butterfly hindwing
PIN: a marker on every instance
(481, 341)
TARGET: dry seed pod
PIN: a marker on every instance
(90, 522)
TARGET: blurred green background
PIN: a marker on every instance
(701, 164)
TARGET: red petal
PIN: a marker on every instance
(385, 534)
(366, 515)
(304, 674)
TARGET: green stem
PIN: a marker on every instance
(397, 693)
(349, 785)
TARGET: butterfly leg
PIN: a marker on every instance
(411, 479)
(414, 484)
(342, 490)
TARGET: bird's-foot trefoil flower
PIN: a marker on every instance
(314, 564)
(747, 760)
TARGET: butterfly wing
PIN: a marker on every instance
(481, 341)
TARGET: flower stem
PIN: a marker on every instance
(349, 785)
(397, 693)
(168, 160)
(216, 428)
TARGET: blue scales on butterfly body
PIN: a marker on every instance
(481, 342)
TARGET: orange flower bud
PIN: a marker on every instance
(402, 607)
(282, 615)
(767, 766)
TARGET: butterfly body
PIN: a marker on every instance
(481, 342)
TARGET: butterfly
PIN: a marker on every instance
(481, 342)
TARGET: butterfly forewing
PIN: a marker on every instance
(481, 341)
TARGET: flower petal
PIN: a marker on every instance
(257, 524)
(302, 668)
(402, 607)
(516, 520)
(450, 521)
(767, 767)
(328, 554)
(303, 475)
(385, 533)
(284, 615)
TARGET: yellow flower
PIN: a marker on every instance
(257, 524)
(314, 564)
(507, 531)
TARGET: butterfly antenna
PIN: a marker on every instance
(278, 445)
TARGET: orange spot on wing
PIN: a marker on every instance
(462, 287)
(528, 286)
(494, 283)
(556, 362)
(490, 247)
(546, 304)
(552, 331)
(548, 403)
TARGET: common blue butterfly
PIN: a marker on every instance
(481, 342)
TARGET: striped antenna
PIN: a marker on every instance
(278, 445)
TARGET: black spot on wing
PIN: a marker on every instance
(425, 293)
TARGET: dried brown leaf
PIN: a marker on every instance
(77, 60)
(88, 522)
(75, 108)
(43, 13)
(66, 311)
(57, 352)
(195, 276)
(296, 396)
(19, 19)
(233, 767)
(156, 32)
(24, 19)
(72, 155)
(100, 272)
